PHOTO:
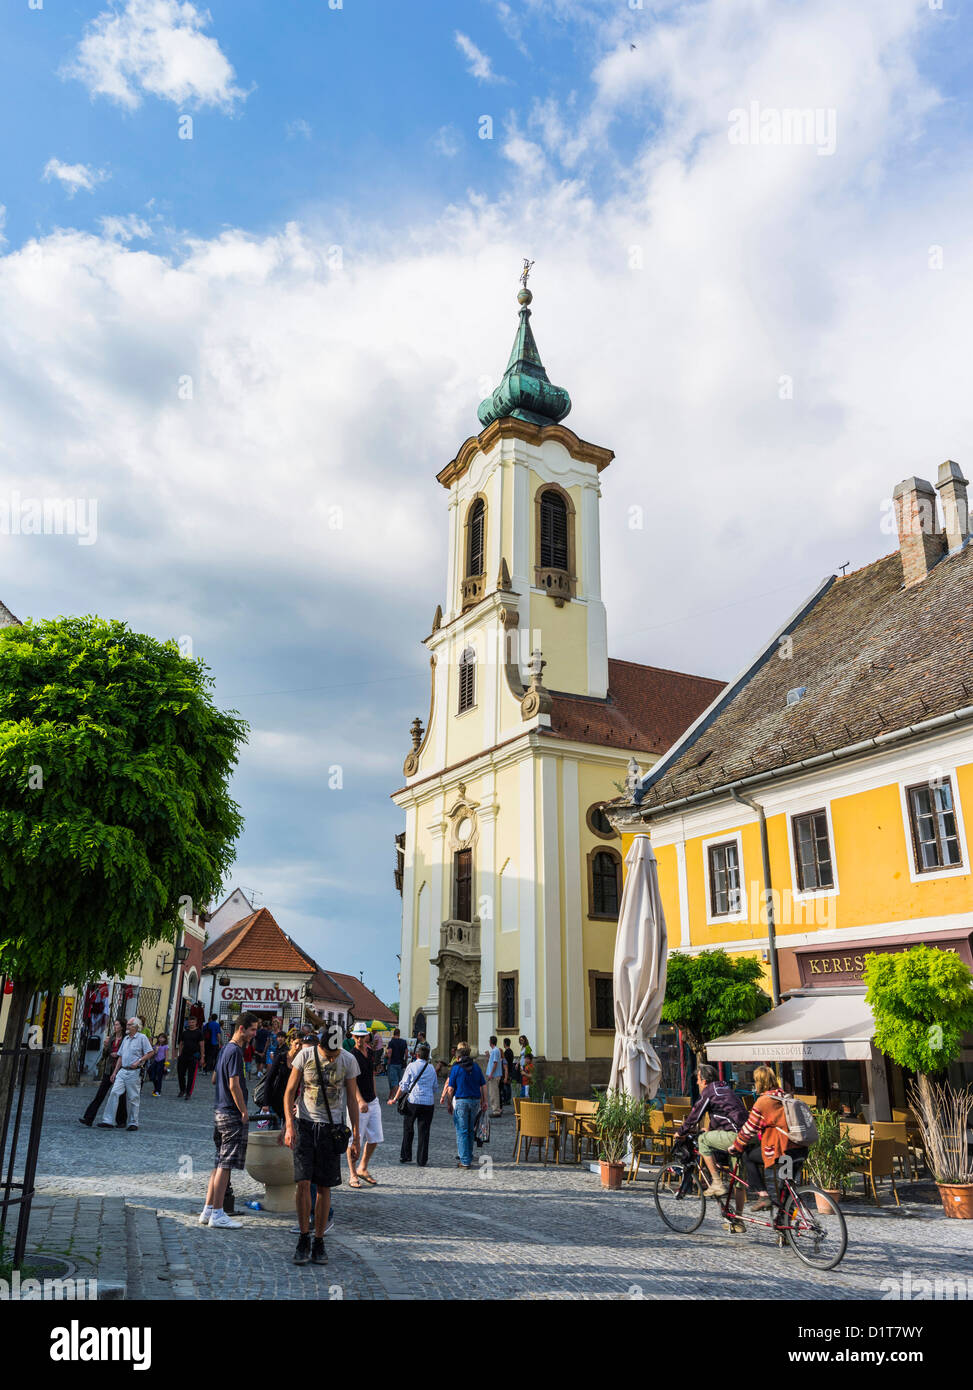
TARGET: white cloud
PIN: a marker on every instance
(131, 227)
(73, 176)
(480, 65)
(448, 141)
(155, 47)
(298, 127)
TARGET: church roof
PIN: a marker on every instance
(647, 708)
(257, 943)
(525, 392)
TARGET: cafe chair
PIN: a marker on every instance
(535, 1128)
(877, 1164)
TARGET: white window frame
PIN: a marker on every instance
(732, 837)
(933, 875)
(808, 894)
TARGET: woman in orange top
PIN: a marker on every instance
(763, 1138)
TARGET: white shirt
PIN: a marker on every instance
(133, 1049)
(495, 1063)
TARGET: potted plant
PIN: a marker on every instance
(922, 1000)
(829, 1159)
(613, 1122)
(943, 1116)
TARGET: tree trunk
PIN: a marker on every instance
(12, 1034)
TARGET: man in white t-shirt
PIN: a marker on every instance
(133, 1055)
(494, 1074)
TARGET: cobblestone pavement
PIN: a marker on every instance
(505, 1231)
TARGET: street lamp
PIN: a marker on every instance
(181, 955)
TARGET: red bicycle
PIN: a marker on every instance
(805, 1217)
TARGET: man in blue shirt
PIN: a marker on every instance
(231, 1121)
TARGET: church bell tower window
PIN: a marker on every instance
(474, 576)
(555, 567)
(467, 680)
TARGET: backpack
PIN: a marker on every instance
(799, 1122)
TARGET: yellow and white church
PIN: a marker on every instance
(510, 872)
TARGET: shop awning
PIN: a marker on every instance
(829, 1028)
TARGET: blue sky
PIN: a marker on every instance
(331, 262)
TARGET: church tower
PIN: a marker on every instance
(511, 873)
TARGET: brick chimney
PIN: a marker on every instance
(952, 489)
(921, 542)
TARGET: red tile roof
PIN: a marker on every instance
(647, 708)
(257, 943)
(366, 1005)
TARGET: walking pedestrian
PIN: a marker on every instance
(232, 1122)
(526, 1066)
(321, 1084)
(509, 1062)
(494, 1075)
(396, 1052)
(464, 1095)
(369, 1110)
(418, 1084)
(261, 1042)
(132, 1056)
(157, 1067)
(213, 1035)
(109, 1055)
(192, 1054)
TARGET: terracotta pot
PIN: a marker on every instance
(612, 1174)
(957, 1199)
(833, 1192)
(273, 1165)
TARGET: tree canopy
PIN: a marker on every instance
(114, 802)
(922, 1000)
(712, 994)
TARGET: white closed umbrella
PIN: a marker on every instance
(639, 975)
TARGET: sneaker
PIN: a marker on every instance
(133, 1126)
(319, 1256)
(223, 1222)
(761, 1204)
(103, 1125)
(83, 1121)
(205, 1215)
(302, 1255)
(717, 1189)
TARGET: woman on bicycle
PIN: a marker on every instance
(763, 1138)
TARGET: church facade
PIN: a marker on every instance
(510, 872)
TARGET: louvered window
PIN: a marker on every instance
(463, 885)
(554, 532)
(474, 550)
(467, 680)
(604, 884)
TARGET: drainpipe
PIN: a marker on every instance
(177, 971)
(768, 891)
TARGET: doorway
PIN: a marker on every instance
(458, 1015)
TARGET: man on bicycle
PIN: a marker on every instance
(763, 1139)
(727, 1114)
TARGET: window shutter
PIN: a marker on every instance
(467, 680)
(464, 884)
(474, 556)
(554, 532)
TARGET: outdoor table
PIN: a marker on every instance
(561, 1117)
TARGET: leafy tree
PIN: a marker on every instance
(712, 994)
(114, 808)
(922, 1000)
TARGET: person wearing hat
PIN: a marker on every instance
(369, 1110)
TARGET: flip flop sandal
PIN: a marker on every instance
(351, 1183)
(367, 1177)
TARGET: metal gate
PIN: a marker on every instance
(126, 1001)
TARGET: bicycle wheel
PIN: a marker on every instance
(815, 1227)
(679, 1198)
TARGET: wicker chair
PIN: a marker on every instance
(535, 1128)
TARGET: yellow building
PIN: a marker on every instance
(509, 871)
(844, 753)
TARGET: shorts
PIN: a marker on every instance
(230, 1137)
(714, 1141)
(370, 1124)
(314, 1157)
